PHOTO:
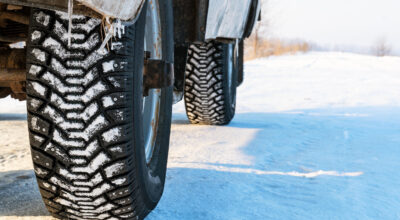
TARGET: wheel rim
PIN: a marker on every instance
(151, 103)
(230, 71)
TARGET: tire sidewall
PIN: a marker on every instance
(229, 90)
(151, 176)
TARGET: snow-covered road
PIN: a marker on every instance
(316, 136)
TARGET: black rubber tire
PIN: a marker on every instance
(85, 119)
(210, 97)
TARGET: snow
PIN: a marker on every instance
(94, 165)
(39, 88)
(39, 54)
(114, 169)
(34, 70)
(316, 136)
(112, 135)
(108, 66)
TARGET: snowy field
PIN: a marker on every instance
(316, 136)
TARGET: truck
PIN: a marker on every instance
(100, 77)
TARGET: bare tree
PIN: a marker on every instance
(381, 48)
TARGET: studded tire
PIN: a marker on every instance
(210, 84)
(84, 117)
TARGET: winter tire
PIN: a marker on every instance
(210, 84)
(99, 147)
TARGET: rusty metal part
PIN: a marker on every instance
(10, 39)
(15, 16)
(12, 58)
(4, 92)
(157, 74)
(13, 73)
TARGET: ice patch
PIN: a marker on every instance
(312, 174)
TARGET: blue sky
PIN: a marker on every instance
(353, 23)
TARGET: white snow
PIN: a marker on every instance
(39, 54)
(103, 188)
(69, 143)
(114, 169)
(112, 135)
(34, 70)
(87, 114)
(36, 35)
(42, 18)
(94, 165)
(99, 123)
(108, 66)
(39, 88)
(63, 105)
(60, 69)
(107, 101)
(58, 49)
(91, 93)
(87, 152)
(92, 182)
(316, 136)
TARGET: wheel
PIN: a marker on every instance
(210, 84)
(99, 147)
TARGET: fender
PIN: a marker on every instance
(231, 19)
(126, 10)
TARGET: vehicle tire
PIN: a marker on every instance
(96, 153)
(210, 84)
